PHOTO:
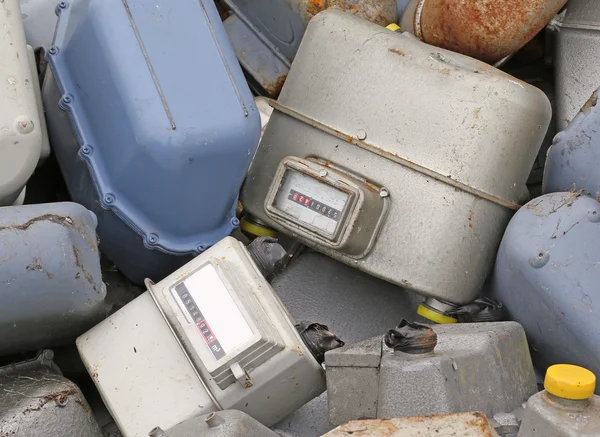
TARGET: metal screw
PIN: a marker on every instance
(86, 150)
(152, 238)
(53, 51)
(384, 192)
(323, 173)
(235, 222)
(361, 134)
(109, 198)
(67, 98)
(201, 247)
(63, 5)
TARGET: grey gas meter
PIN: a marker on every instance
(401, 159)
(213, 335)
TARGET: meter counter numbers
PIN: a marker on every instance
(310, 201)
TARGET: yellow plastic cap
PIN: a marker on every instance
(393, 27)
(258, 230)
(570, 382)
(435, 316)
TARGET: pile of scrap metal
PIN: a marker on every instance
(179, 251)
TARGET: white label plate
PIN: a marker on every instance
(206, 302)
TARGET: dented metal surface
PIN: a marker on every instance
(485, 30)
(37, 401)
(51, 287)
(547, 275)
(460, 425)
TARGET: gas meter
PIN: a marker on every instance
(211, 336)
(395, 157)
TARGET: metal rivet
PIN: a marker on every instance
(323, 173)
(384, 192)
(24, 125)
(540, 259)
(361, 134)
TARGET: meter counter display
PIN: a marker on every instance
(311, 202)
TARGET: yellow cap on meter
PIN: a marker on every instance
(256, 229)
(435, 316)
(570, 382)
(393, 27)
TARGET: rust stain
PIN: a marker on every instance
(480, 423)
(59, 220)
(475, 423)
(59, 397)
(470, 218)
(486, 30)
(382, 12)
(273, 89)
(397, 52)
(88, 277)
(592, 101)
(313, 7)
(35, 266)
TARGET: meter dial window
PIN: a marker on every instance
(311, 201)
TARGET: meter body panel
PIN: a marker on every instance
(214, 327)
(383, 120)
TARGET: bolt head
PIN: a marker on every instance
(323, 173)
(384, 192)
(361, 134)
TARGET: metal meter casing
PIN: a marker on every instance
(380, 107)
(215, 326)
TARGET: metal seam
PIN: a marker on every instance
(574, 25)
(225, 64)
(272, 48)
(417, 23)
(150, 286)
(402, 161)
(149, 64)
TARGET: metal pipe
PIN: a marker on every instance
(485, 30)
